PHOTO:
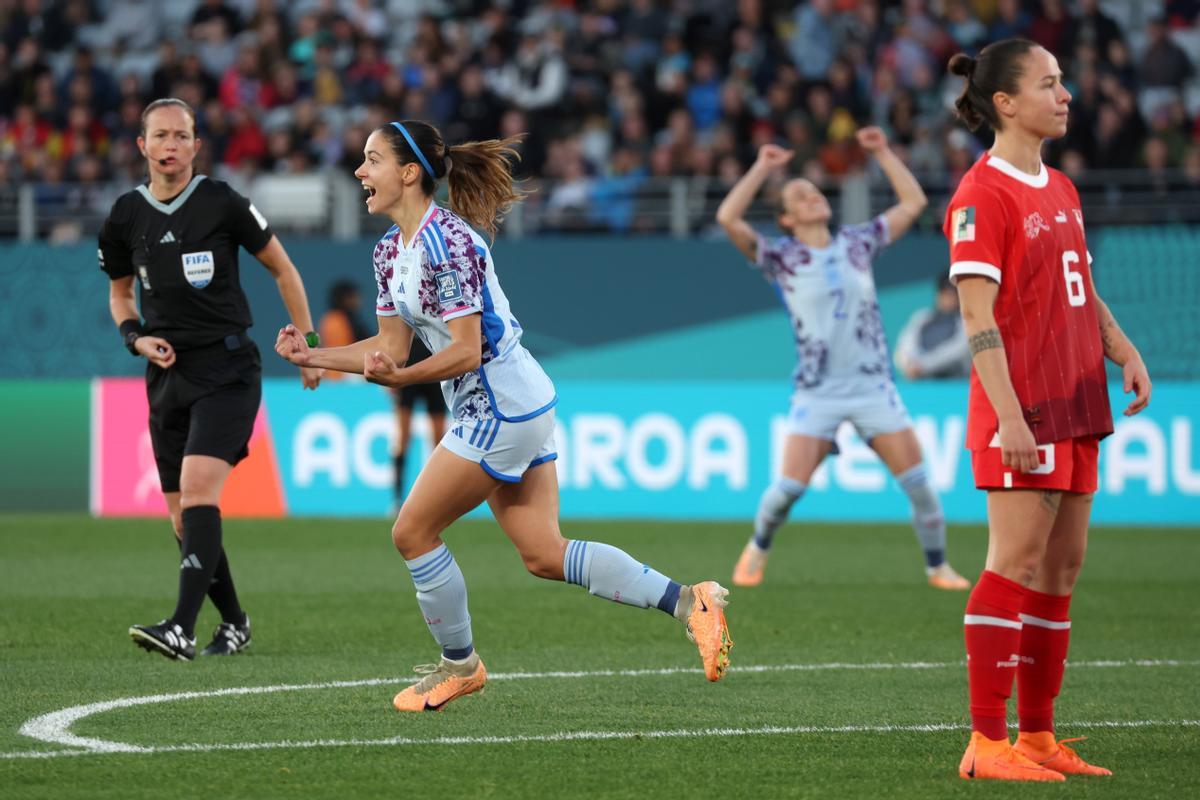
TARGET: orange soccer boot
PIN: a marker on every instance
(443, 682)
(1041, 748)
(998, 760)
(706, 627)
(943, 576)
(749, 568)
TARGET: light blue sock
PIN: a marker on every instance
(927, 519)
(773, 509)
(442, 595)
(614, 575)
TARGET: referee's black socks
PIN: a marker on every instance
(222, 592)
(201, 555)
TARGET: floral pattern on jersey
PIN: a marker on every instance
(467, 267)
(813, 359)
(863, 242)
(385, 253)
(868, 329)
(781, 257)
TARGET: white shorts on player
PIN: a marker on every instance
(874, 410)
(504, 449)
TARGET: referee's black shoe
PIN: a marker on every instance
(165, 638)
(229, 638)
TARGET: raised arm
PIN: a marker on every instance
(291, 289)
(976, 297)
(911, 196)
(732, 211)
(1121, 351)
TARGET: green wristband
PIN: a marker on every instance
(313, 338)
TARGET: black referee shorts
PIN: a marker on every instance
(203, 405)
(428, 393)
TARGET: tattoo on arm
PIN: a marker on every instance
(985, 340)
(1108, 331)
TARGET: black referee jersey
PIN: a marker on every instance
(184, 253)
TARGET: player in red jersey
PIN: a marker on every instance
(1038, 335)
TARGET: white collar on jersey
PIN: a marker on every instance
(174, 205)
(424, 221)
(1038, 181)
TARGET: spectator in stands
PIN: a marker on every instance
(210, 10)
(1011, 21)
(103, 92)
(706, 82)
(27, 66)
(1092, 26)
(813, 42)
(933, 343)
(1164, 63)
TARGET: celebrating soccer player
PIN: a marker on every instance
(437, 281)
(844, 372)
(1038, 335)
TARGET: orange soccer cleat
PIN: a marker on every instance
(443, 682)
(706, 627)
(749, 568)
(998, 760)
(943, 576)
(1041, 748)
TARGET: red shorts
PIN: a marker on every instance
(1071, 465)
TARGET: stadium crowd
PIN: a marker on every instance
(612, 92)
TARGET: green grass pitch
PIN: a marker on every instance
(332, 603)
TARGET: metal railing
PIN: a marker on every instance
(332, 204)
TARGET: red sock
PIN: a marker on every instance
(992, 628)
(1045, 632)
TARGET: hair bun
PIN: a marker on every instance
(962, 64)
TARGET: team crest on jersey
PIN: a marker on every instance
(964, 225)
(1034, 225)
(448, 287)
(199, 268)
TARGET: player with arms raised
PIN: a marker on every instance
(1038, 335)
(844, 374)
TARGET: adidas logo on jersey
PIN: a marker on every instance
(168, 237)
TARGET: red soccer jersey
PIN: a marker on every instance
(1026, 233)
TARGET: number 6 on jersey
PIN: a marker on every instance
(1076, 295)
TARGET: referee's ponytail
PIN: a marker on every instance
(479, 174)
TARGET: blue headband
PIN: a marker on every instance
(415, 149)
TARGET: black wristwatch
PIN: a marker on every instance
(131, 331)
(313, 338)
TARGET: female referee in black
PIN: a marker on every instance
(178, 236)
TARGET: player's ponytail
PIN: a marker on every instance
(998, 69)
(479, 174)
(482, 189)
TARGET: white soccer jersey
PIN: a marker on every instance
(830, 295)
(447, 272)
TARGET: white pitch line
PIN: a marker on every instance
(54, 727)
(578, 736)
